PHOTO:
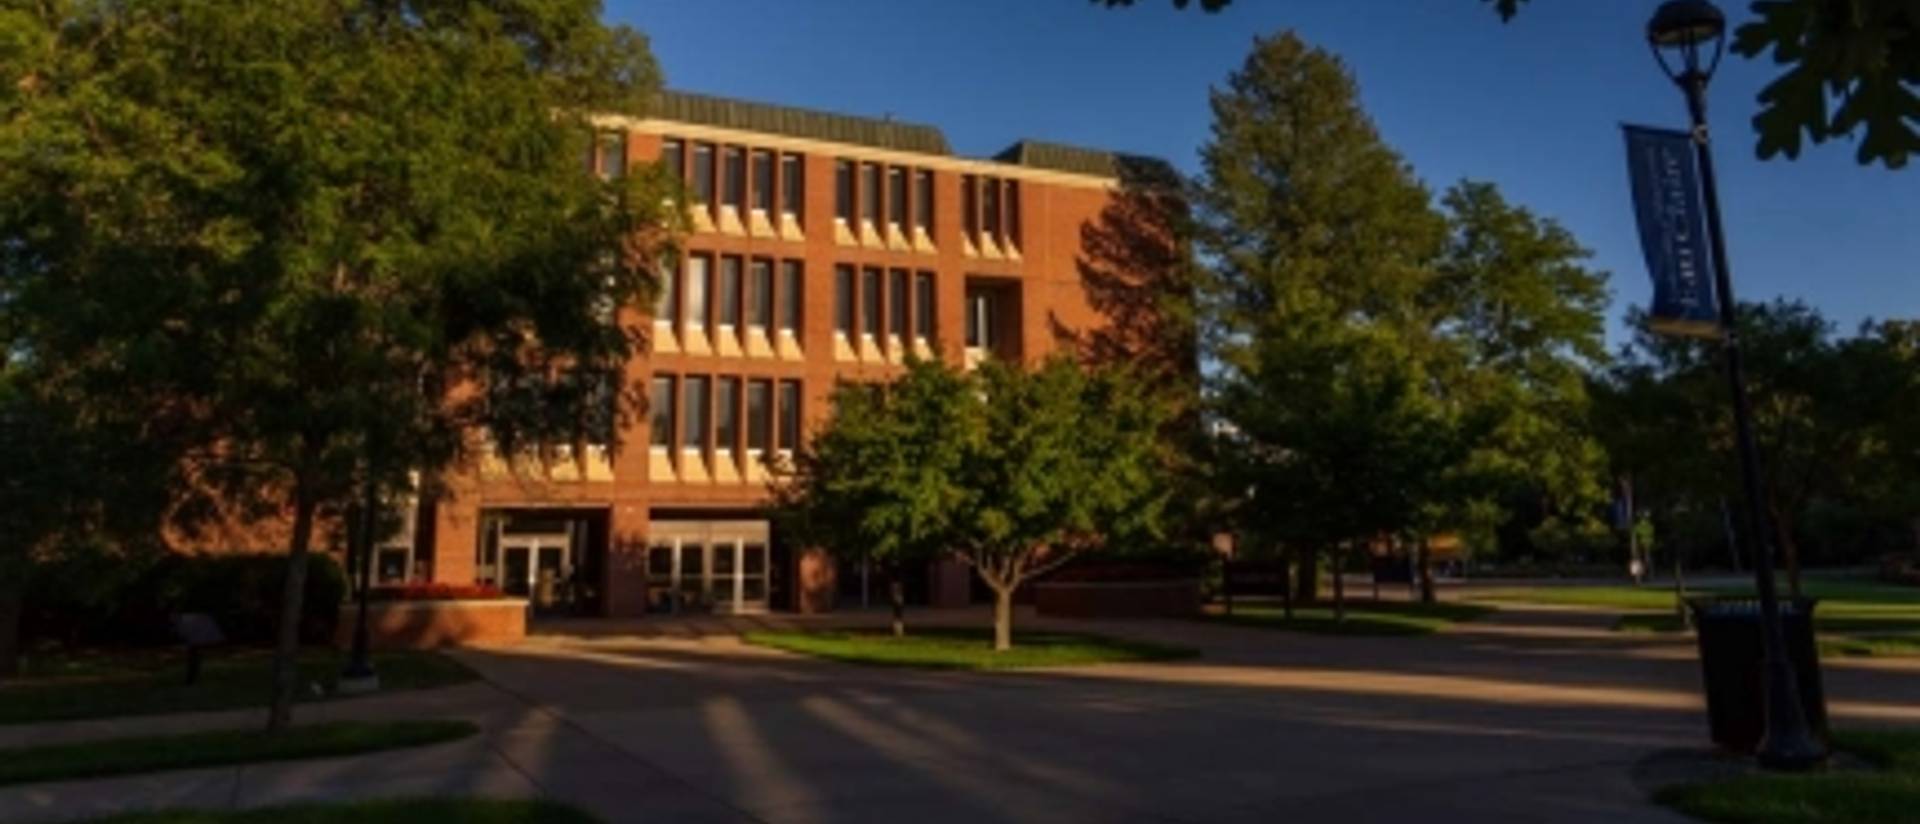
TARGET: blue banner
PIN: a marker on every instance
(1666, 197)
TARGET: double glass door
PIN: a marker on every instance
(707, 566)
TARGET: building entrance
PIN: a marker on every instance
(707, 566)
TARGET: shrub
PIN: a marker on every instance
(241, 592)
(435, 592)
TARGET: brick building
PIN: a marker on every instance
(823, 248)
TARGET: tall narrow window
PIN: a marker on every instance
(673, 158)
(1013, 212)
(990, 207)
(896, 196)
(729, 293)
(613, 154)
(923, 208)
(693, 421)
(733, 188)
(660, 409)
(843, 190)
(762, 181)
(699, 274)
(898, 291)
(979, 319)
(791, 296)
(666, 308)
(792, 184)
(759, 415)
(923, 307)
(843, 300)
(970, 206)
(869, 192)
(726, 418)
(703, 173)
(760, 294)
(870, 303)
(789, 415)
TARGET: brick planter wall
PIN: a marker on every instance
(1179, 598)
(433, 624)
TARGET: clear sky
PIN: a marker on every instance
(1532, 105)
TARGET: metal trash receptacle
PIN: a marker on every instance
(1733, 663)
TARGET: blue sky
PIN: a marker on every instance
(1532, 105)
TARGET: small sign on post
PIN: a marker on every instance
(1673, 235)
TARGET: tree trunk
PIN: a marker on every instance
(1424, 570)
(1002, 618)
(1339, 586)
(1308, 577)
(1286, 585)
(1789, 550)
(897, 593)
(286, 674)
(13, 603)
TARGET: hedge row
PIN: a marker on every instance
(241, 591)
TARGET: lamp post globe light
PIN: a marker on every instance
(1688, 38)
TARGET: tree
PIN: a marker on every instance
(878, 482)
(343, 236)
(1850, 67)
(1056, 461)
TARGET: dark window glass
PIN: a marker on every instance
(990, 206)
(843, 299)
(923, 306)
(699, 274)
(703, 172)
(694, 419)
(870, 303)
(792, 185)
(613, 154)
(661, 410)
(789, 414)
(970, 205)
(923, 209)
(897, 196)
(759, 414)
(729, 291)
(1013, 211)
(673, 157)
(763, 180)
(734, 188)
(727, 415)
(666, 309)
(843, 189)
(791, 295)
(979, 318)
(898, 291)
(760, 293)
(869, 192)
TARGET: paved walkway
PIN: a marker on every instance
(1530, 715)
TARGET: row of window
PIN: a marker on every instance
(748, 292)
(904, 195)
(991, 208)
(712, 411)
(741, 175)
(897, 302)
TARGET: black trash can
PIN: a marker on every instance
(1733, 659)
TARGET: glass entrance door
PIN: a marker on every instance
(707, 566)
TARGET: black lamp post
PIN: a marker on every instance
(1682, 33)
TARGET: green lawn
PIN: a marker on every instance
(124, 756)
(1891, 794)
(965, 649)
(1363, 617)
(99, 685)
(467, 811)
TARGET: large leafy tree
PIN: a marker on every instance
(1850, 67)
(341, 235)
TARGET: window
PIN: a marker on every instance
(897, 197)
(760, 294)
(970, 205)
(789, 414)
(897, 293)
(923, 307)
(661, 410)
(923, 209)
(1013, 212)
(990, 205)
(673, 158)
(762, 181)
(979, 319)
(870, 303)
(727, 415)
(693, 432)
(666, 309)
(791, 185)
(613, 154)
(733, 189)
(790, 296)
(843, 300)
(759, 415)
(698, 272)
(843, 190)
(869, 192)
(703, 173)
(729, 292)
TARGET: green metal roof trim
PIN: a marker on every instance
(1063, 158)
(724, 113)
